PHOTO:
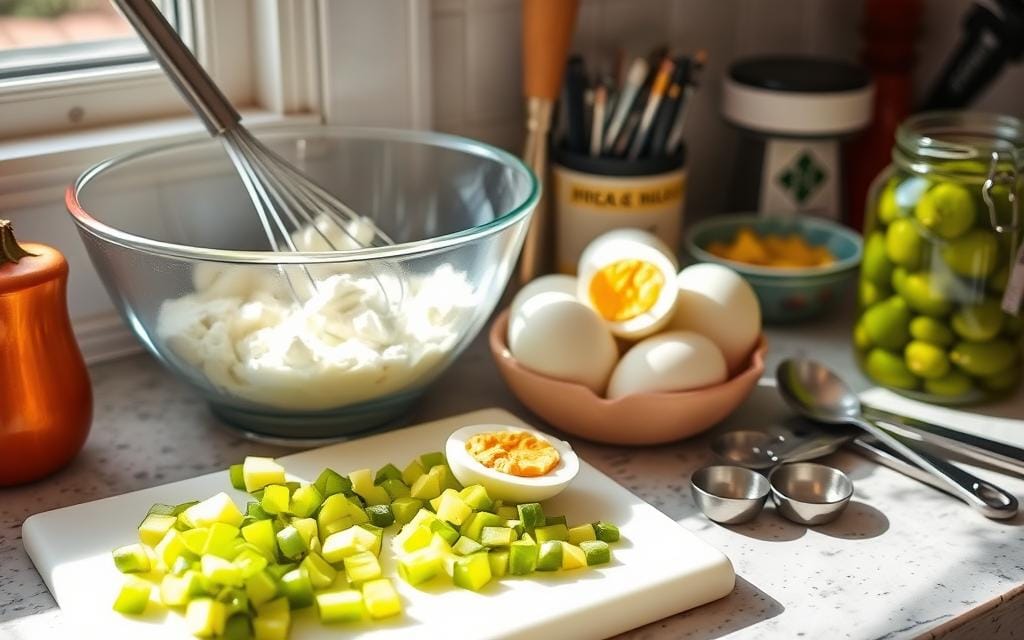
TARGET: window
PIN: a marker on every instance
(54, 36)
(68, 65)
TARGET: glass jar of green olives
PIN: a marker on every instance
(942, 233)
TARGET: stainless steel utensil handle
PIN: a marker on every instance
(876, 451)
(996, 454)
(983, 496)
(195, 85)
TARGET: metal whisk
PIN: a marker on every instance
(285, 200)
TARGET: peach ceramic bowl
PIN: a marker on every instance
(639, 419)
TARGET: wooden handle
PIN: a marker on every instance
(547, 32)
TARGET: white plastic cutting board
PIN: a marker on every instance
(658, 567)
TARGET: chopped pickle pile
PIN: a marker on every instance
(240, 575)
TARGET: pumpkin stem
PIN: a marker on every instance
(10, 250)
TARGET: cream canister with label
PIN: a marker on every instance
(595, 195)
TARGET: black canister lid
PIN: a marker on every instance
(606, 166)
(799, 74)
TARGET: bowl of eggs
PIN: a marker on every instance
(632, 350)
(799, 266)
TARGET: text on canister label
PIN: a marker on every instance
(603, 197)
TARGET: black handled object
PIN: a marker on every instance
(990, 40)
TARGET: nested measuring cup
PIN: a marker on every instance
(938, 295)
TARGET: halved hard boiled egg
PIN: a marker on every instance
(628, 277)
(515, 464)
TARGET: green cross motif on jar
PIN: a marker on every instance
(942, 233)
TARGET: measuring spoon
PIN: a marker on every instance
(815, 392)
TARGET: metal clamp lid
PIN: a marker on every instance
(1013, 295)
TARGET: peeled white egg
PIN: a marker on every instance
(557, 283)
(504, 486)
(670, 361)
(717, 302)
(628, 277)
(560, 337)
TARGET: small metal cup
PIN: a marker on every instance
(809, 493)
(728, 494)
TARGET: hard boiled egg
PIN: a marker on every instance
(671, 361)
(556, 283)
(557, 336)
(627, 276)
(717, 302)
(500, 485)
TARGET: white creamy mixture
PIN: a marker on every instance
(358, 335)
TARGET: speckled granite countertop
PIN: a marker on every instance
(903, 561)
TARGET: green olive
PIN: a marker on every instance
(903, 244)
(951, 385)
(979, 322)
(926, 360)
(947, 209)
(972, 255)
(924, 295)
(997, 281)
(870, 293)
(861, 339)
(1003, 380)
(1012, 325)
(928, 329)
(875, 266)
(899, 278)
(888, 369)
(983, 358)
(887, 324)
(888, 208)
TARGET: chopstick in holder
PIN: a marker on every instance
(658, 88)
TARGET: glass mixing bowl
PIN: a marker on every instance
(183, 254)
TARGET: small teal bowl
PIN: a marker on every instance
(787, 294)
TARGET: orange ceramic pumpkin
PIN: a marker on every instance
(45, 396)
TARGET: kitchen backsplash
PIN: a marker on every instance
(475, 82)
(476, 61)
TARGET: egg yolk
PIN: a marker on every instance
(516, 453)
(625, 289)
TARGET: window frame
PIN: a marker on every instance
(116, 94)
(53, 128)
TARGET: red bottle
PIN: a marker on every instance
(890, 29)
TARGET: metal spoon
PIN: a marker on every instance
(817, 393)
(760, 450)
